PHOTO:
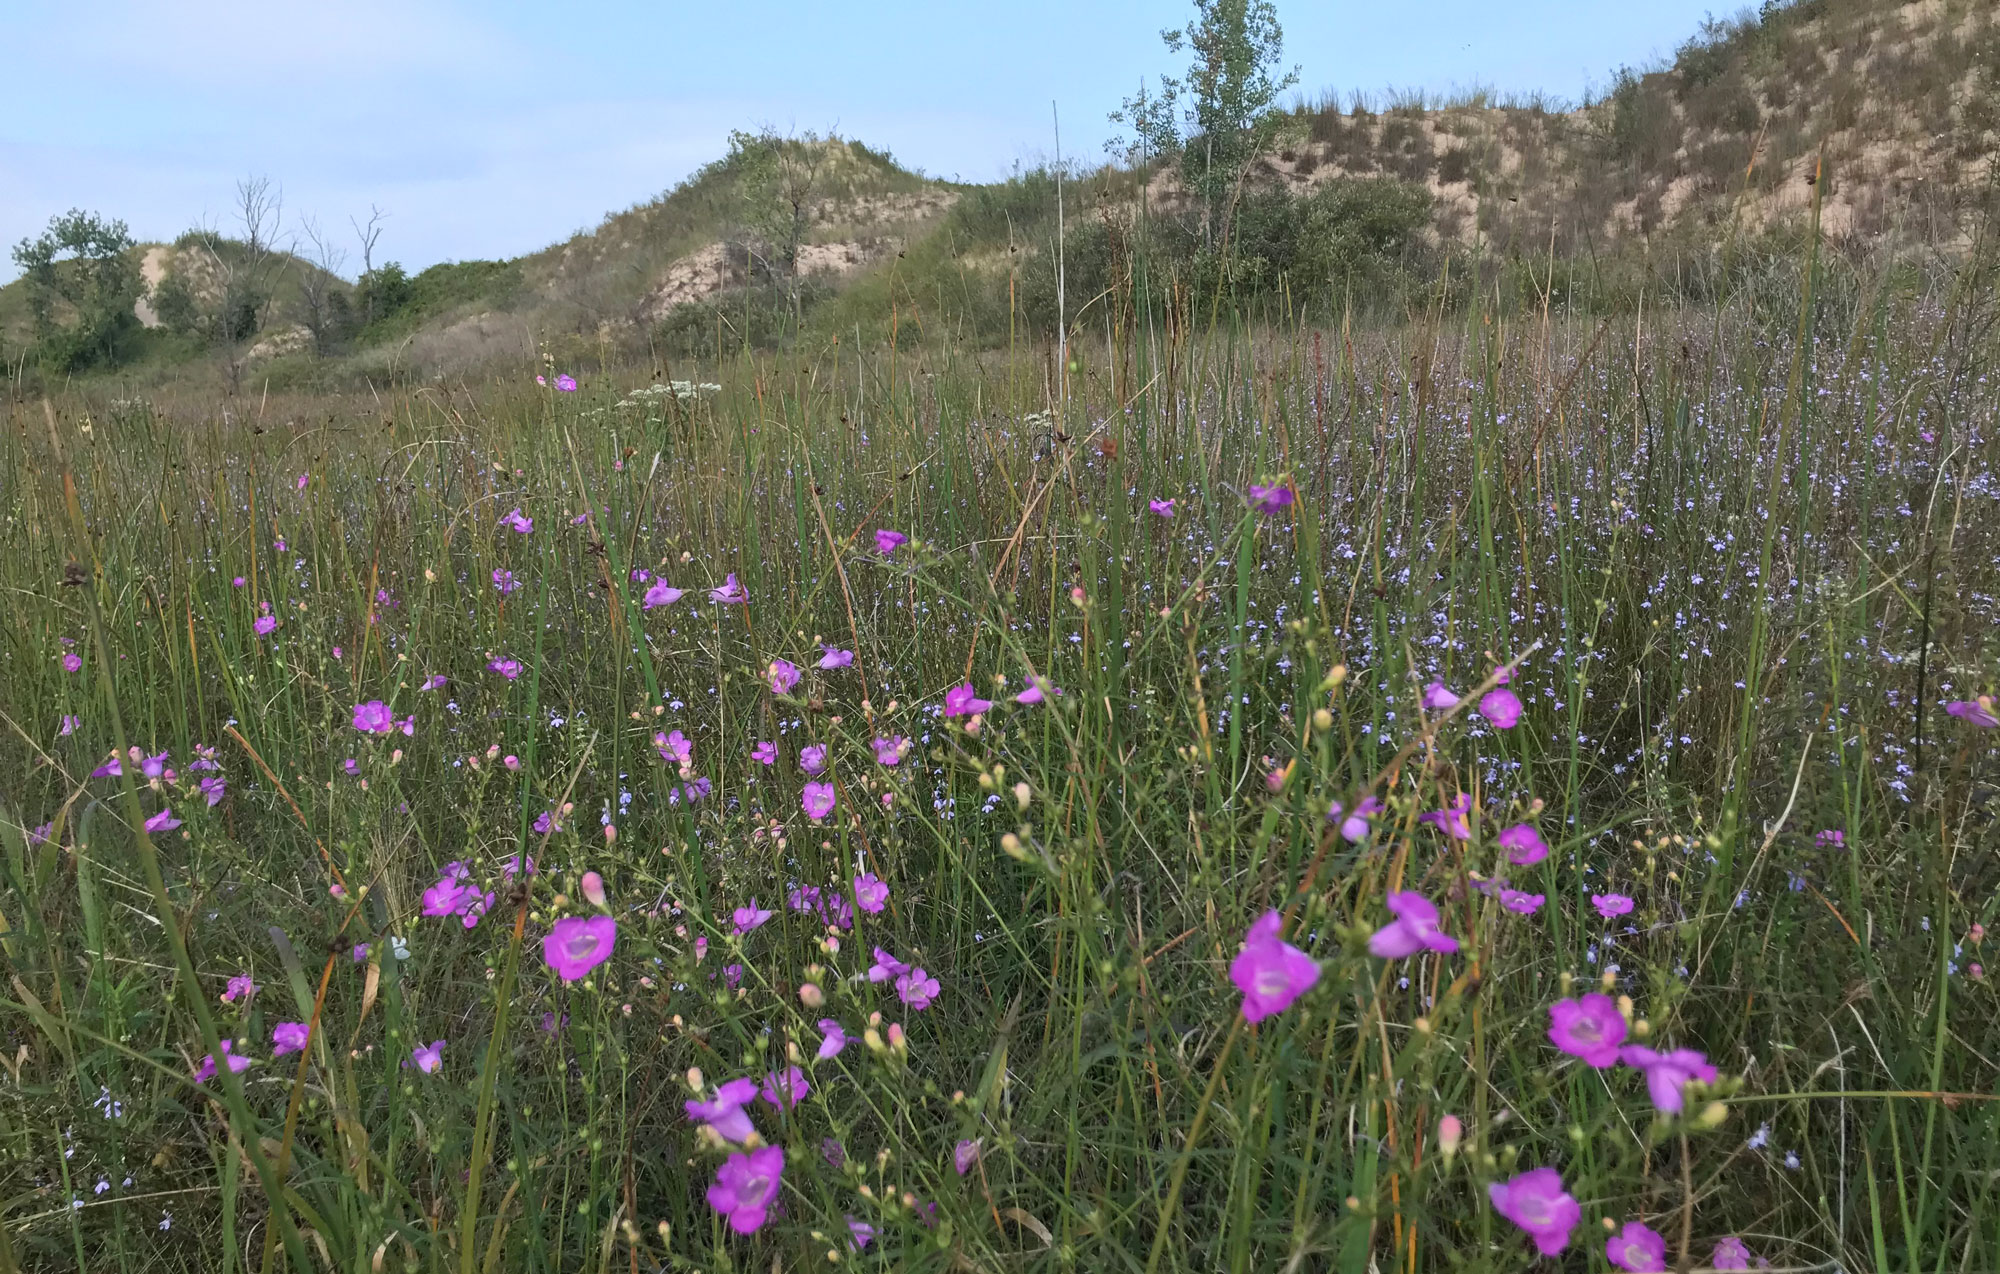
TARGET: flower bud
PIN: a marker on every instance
(1011, 844)
(897, 1042)
(1022, 793)
(592, 886)
(694, 1078)
(873, 1039)
(1625, 1007)
(1450, 1133)
(511, 761)
(1712, 1115)
(493, 752)
(610, 833)
(810, 995)
(1322, 720)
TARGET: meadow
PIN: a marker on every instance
(1510, 787)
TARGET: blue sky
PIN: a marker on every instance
(492, 129)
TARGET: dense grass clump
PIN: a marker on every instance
(524, 779)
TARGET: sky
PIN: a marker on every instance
(492, 128)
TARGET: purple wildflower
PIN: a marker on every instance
(1612, 906)
(887, 541)
(963, 701)
(1637, 1248)
(1524, 845)
(1591, 1029)
(1537, 1203)
(289, 1037)
(835, 658)
(1667, 1074)
(783, 674)
(576, 945)
(817, 799)
(917, 989)
(1270, 972)
(662, 594)
(870, 894)
(745, 1186)
(1414, 929)
(725, 1114)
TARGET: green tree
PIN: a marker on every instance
(780, 180)
(82, 280)
(1221, 115)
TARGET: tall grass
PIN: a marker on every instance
(1736, 575)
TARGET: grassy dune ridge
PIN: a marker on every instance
(1736, 578)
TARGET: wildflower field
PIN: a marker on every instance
(1505, 790)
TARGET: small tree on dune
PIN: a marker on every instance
(82, 280)
(1221, 115)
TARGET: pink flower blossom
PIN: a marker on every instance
(730, 593)
(1590, 1029)
(1414, 929)
(428, 1058)
(832, 1039)
(1439, 699)
(1270, 972)
(963, 701)
(662, 594)
(886, 967)
(1452, 820)
(1038, 689)
(240, 987)
(1612, 906)
(1637, 1248)
(504, 581)
(725, 1114)
(835, 658)
(521, 523)
(237, 1064)
(891, 751)
(1272, 499)
(576, 945)
(1356, 826)
(289, 1037)
(508, 668)
(785, 1089)
(265, 625)
(964, 1155)
(812, 758)
(817, 799)
(887, 541)
(69, 722)
(436, 681)
(1524, 845)
(1732, 1254)
(746, 1185)
(565, 383)
(1165, 508)
(374, 717)
(744, 919)
(1537, 1203)
(916, 989)
(1981, 712)
(783, 674)
(72, 661)
(1668, 1074)
(303, 479)
(1522, 904)
(870, 893)
(1502, 707)
(164, 821)
(765, 753)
